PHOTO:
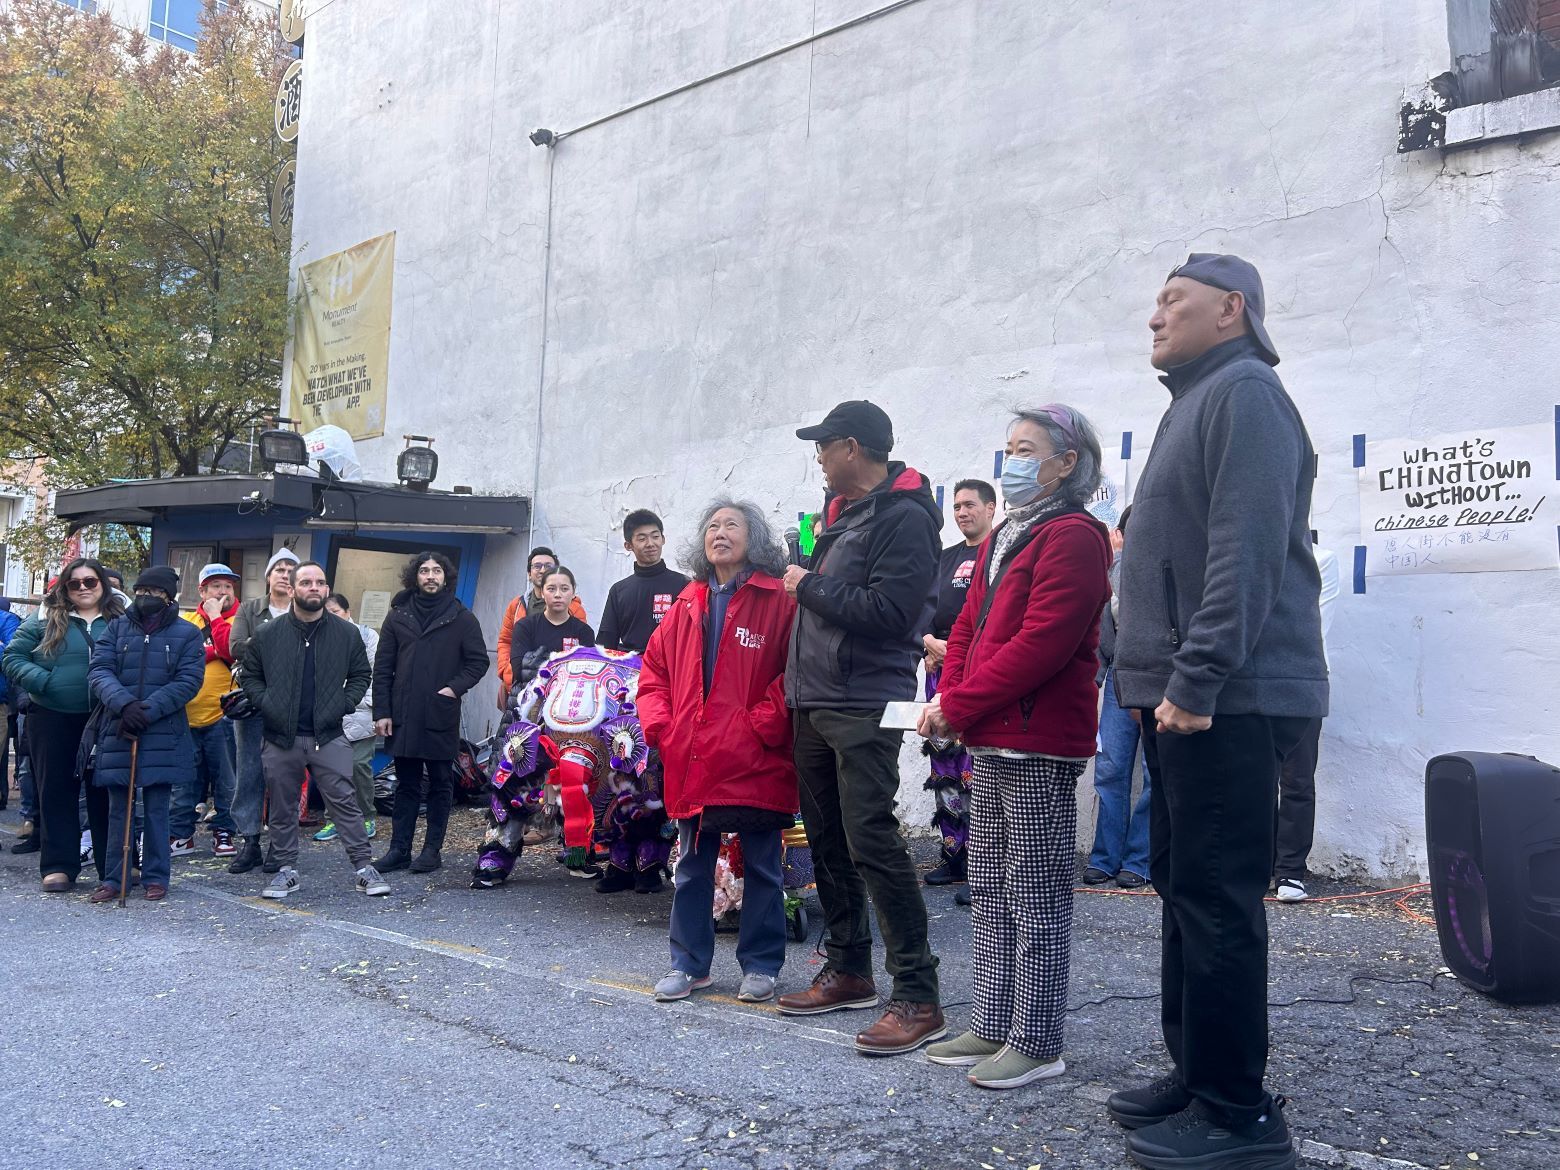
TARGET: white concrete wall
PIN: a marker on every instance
(959, 207)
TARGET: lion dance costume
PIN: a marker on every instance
(574, 751)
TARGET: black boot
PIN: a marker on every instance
(949, 872)
(648, 880)
(427, 861)
(248, 855)
(615, 881)
(271, 864)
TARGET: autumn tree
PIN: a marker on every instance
(143, 297)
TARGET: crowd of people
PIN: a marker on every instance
(766, 689)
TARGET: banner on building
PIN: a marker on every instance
(1478, 502)
(341, 339)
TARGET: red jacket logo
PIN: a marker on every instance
(748, 639)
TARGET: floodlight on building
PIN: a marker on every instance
(283, 448)
(417, 466)
(543, 137)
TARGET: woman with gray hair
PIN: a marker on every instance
(1018, 688)
(711, 701)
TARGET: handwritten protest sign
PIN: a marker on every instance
(1478, 502)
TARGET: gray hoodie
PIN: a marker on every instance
(1219, 589)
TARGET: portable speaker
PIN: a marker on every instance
(1492, 826)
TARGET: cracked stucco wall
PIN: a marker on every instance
(915, 210)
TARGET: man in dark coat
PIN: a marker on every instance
(1220, 651)
(146, 666)
(305, 672)
(855, 648)
(431, 652)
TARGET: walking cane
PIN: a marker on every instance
(124, 872)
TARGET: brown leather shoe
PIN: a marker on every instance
(905, 1026)
(156, 893)
(103, 894)
(831, 991)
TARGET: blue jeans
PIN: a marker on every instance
(156, 864)
(249, 792)
(24, 777)
(761, 936)
(213, 765)
(1120, 827)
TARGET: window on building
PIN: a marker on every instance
(178, 21)
(1502, 48)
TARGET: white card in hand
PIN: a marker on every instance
(902, 716)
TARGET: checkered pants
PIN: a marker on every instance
(1023, 842)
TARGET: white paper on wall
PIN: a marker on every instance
(1476, 502)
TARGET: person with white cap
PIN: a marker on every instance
(213, 734)
(249, 793)
(1219, 649)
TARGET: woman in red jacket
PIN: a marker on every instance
(1018, 689)
(711, 701)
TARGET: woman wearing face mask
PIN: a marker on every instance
(147, 665)
(1018, 688)
(48, 658)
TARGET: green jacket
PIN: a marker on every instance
(272, 676)
(58, 681)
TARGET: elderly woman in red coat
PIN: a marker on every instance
(1018, 688)
(711, 701)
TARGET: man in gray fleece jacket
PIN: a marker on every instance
(1219, 648)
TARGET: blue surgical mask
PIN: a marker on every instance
(1020, 479)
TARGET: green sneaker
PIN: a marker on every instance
(962, 1050)
(370, 828)
(328, 833)
(1011, 1070)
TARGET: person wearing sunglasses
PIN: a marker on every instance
(48, 658)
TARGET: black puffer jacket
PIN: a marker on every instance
(869, 594)
(411, 667)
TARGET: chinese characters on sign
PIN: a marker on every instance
(291, 21)
(1483, 501)
(289, 99)
(282, 202)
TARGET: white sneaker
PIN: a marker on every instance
(181, 846)
(370, 882)
(284, 883)
(1291, 890)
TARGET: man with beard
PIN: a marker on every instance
(431, 652)
(305, 672)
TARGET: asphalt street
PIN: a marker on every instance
(450, 1027)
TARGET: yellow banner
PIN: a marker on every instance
(341, 339)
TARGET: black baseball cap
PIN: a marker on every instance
(857, 419)
(1232, 274)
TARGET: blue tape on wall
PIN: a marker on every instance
(1557, 442)
(996, 468)
(1359, 450)
(939, 496)
(1359, 568)
(1126, 444)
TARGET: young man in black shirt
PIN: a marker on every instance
(636, 604)
(974, 508)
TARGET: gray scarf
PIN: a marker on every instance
(1018, 522)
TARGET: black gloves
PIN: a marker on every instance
(134, 719)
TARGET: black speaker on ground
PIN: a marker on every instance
(1492, 825)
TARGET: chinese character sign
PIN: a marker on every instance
(1484, 501)
(289, 102)
(341, 339)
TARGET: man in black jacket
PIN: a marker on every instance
(636, 604)
(855, 648)
(431, 653)
(305, 672)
